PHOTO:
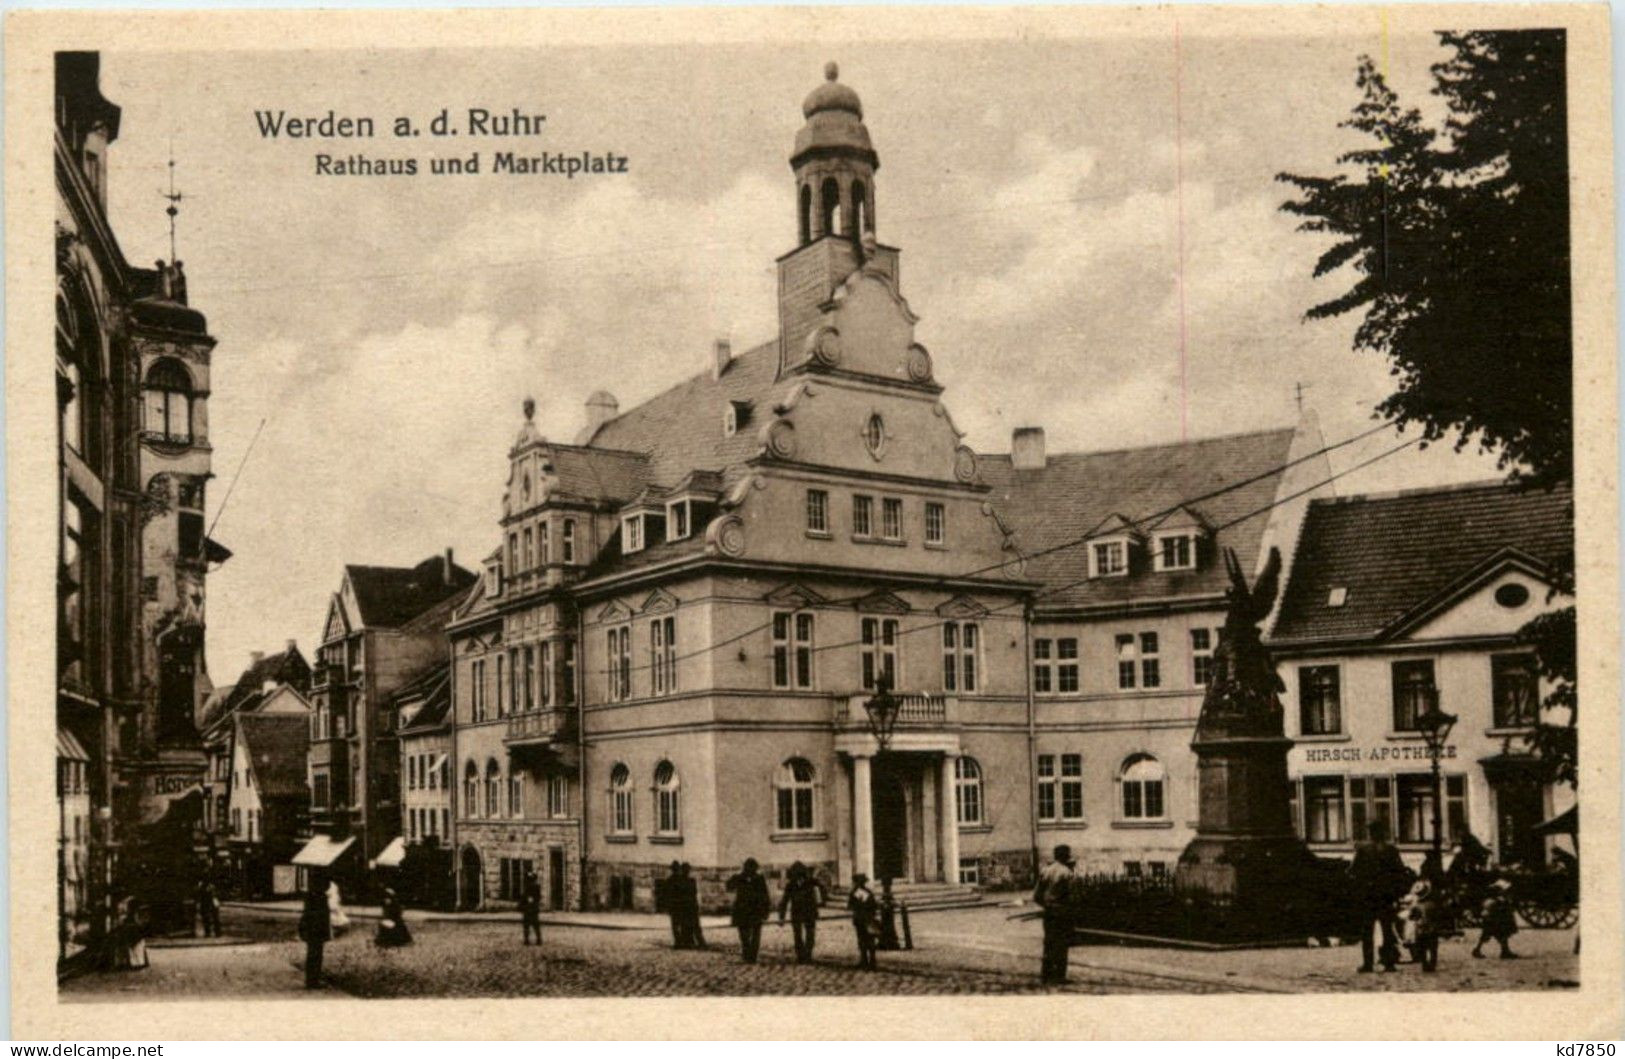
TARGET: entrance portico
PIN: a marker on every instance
(897, 815)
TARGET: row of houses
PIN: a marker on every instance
(670, 652)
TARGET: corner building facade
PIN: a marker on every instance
(669, 654)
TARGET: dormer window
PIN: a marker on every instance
(677, 515)
(632, 534)
(493, 579)
(1176, 551)
(734, 417)
(1109, 557)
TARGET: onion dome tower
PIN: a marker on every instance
(835, 164)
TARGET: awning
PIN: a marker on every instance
(392, 854)
(68, 747)
(322, 851)
(1565, 823)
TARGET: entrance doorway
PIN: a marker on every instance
(555, 878)
(470, 880)
(890, 800)
(1519, 806)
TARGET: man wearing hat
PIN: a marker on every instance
(1054, 895)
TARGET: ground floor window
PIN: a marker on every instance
(1337, 809)
(970, 871)
(1323, 817)
(511, 874)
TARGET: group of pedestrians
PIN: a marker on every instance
(1418, 909)
(678, 895)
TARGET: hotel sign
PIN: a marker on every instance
(1318, 755)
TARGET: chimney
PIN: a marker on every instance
(601, 408)
(256, 657)
(722, 355)
(293, 645)
(1027, 448)
(447, 568)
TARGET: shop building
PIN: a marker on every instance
(1400, 603)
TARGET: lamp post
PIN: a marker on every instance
(882, 709)
(1435, 726)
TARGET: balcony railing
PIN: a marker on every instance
(537, 727)
(915, 710)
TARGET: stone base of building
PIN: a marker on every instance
(552, 849)
(1003, 869)
(631, 885)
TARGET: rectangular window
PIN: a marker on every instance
(1515, 690)
(319, 790)
(1176, 552)
(513, 553)
(1055, 665)
(879, 647)
(620, 661)
(527, 553)
(935, 524)
(544, 683)
(558, 796)
(1126, 658)
(863, 513)
(1150, 665)
(1320, 708)
(970, 871)
(528, 701)
(1323, 809)
(501, 689)
(632, 534)
(476, 679)
(621, 809)
(1201, 657)
(960, 645)
(568, 542)
(1110, 558)
(516, 794)
(544, 552)
(1043, 667)
(663, 654)
(817, 511)
(891, 518)
(1046, 787)
(1414, 692)
(515, 683)
(1071, 786)
(1416, 798)
(792, 650)
(567, 673)
(677, 520)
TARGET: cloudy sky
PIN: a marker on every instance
(387, 329)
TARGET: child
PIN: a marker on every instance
(1425, 916)
(1498, 921)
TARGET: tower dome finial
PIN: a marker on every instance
(831, 71)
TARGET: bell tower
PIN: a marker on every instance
(834, 165)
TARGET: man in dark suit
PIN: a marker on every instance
(315, 926)
(530, 907)
(1377, 879)
(751, 907)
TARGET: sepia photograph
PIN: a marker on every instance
(521, 531)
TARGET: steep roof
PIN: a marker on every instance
(389, 596)
(680, 430)
(1076, 494)
(598, 473)
(434, 689)
(1392, 553)
(285, 667)
(276, 744)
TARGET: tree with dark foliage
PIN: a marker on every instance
(1459, 239)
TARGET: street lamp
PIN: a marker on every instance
(1435, 726)
(882, 710)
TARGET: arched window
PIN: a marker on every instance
(968, 790)
(516, 793)
(493, 789)
(620, 799)
(471, 790)
(668, 815)
(860, 211)
(831, 206)
(796, 801)
(167, 408)
(806, 214)
(1143, 779)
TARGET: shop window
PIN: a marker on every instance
(1323, 815)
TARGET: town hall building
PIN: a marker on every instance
(669, 654)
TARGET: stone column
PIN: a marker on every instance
(863, 830)
(948, 815)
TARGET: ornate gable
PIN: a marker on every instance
(615, 613)
(338, 623)
(883, 602)
(659, 600)
(793, 595)
(961, 606)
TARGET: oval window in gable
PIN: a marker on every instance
(874, 435)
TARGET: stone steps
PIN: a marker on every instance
(919, 896)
